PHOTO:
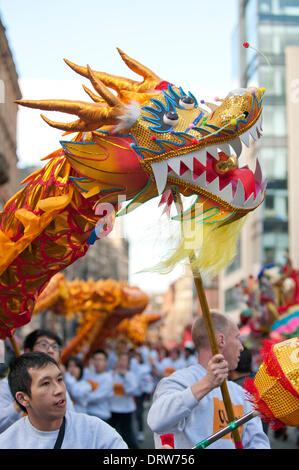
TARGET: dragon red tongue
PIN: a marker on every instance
(247, 179)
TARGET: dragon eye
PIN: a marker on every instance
(171, 118)
(187, 102)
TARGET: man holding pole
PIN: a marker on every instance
(189, 404)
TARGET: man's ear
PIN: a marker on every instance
(22, 398)
(220, 340)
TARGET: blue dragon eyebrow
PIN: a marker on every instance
(198, 118)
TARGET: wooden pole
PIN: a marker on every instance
(215, 350)
(211, 334)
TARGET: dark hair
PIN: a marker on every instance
(100, 351)
(245, 361)
(19, 379)
(32, 338)
(78, 363)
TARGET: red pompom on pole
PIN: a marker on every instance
(167, 439)
(246, 44)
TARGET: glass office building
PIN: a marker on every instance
(269, 26)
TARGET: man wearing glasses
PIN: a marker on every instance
(41, 341)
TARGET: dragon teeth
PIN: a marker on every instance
(201, 156)
(253, 133)
(263, 185)
(188, 160)
(227, 193)
(213, 187)
(224, 148)
(239, 197)
(236, 145)
(248, 203)
(245, 138)
(258, 172)
(201, 181)
(259, 124)
(175, 164)
(160, 171)
(213, 150)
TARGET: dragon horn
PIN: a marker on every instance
(138, 68)
(92, 115)
(112, 81)
(75, 126)
(64, 106)
(103, 91)
(92, 95)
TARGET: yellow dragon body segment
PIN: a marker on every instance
(148, 138)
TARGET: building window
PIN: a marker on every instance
(273, 79)
(276, 205)
(274, 120)
(279, 7)
(274, 162)
(273, 38)
(275, 245)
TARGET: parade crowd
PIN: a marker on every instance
(113, 385)
(101, 396)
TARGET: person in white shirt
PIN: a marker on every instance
(98, 403)
(77, 384)
(162, 366)
(38, 340)
(189, 404)
(122, 403)
(176, 361)
(145, 387)
(36, 382)
(189, 355)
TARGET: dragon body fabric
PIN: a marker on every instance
(134, 141)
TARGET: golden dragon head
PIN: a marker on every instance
(151, 137)
(138, 139)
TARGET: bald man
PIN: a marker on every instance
(189, 403)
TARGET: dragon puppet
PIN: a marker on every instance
(133, 141)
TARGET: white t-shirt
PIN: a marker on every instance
(79, 391)
(98, 400)
(124, 388)
(81, 432)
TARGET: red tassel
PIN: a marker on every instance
(167, 439)
(239, 445)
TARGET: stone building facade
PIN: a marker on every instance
(9, 91)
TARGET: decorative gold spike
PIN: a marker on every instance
(99, 86)
(138, 68)
(94, 115)
(93, 96)
(112, 81)
(64, 106)
(75, 126)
